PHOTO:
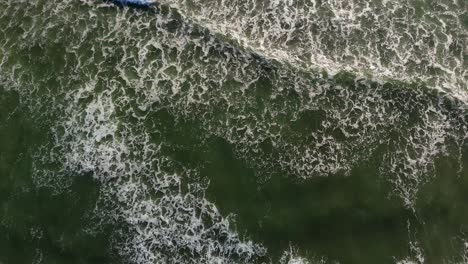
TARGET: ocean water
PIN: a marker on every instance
(242, 131)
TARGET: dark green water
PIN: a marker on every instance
(170, 135)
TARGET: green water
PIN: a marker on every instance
(160, 135)
(37, 223)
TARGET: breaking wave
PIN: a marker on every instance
(372, 75)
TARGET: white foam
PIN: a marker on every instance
(291, 256)
(124, 65)
(400, 40)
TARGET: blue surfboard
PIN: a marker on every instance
(139, 3)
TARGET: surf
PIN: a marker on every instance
(137, 98)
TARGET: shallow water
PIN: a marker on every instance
(233, 132)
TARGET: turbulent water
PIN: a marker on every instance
(241, 131)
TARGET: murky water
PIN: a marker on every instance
(234, 132)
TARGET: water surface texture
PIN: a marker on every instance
(240, 131)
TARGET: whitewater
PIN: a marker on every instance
(134, 98)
